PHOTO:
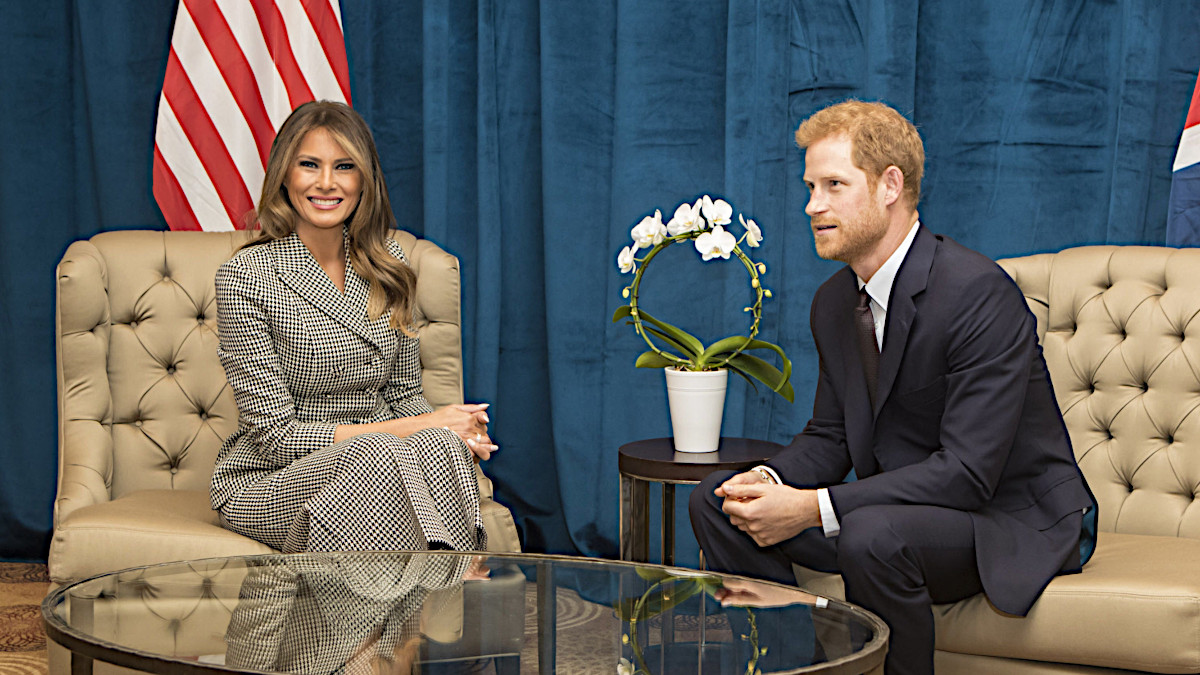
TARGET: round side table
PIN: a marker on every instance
(655, 461)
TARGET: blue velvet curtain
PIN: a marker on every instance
(529, 136)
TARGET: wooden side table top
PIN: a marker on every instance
(656, 459)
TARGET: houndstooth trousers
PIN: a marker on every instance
(302, 357)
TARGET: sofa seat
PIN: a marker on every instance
(147, 527)
(1126, 610)
(142, 528)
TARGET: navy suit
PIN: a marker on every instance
(965, 441)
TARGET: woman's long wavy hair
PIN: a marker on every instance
(392, 283)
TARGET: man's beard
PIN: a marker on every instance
(854, 242)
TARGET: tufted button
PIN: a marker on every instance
(133, 324)
(174, 470)
(171, 369)
(1170, 440)
(203, 415)
(200, 318)
(166, 277)
(1145, 386)
(137, 423)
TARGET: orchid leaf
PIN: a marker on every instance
(693, 347)
(652, 359)
(765, 373)
(731, 344)
(669, 340)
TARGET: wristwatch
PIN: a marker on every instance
(766, 475)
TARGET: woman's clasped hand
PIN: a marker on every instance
(470, 422)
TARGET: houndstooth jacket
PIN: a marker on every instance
(301, 358)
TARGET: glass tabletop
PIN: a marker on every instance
(449, 612)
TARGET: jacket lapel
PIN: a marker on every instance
(300, 272)
(911, 281)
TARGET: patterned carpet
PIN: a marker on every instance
(22, 642)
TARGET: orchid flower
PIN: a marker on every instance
(717, 212)
(753, 233)
(686, 219)
(718, 242)
(705, 224)
(649, 232)
(625, 259)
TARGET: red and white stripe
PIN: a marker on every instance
(236, 70)
(1189, 143)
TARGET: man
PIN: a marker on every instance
(966, 481)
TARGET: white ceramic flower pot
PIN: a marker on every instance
(697, 401)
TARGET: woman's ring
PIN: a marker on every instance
(477, 437)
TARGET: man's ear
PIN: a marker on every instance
(893, 184)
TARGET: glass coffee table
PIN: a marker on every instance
(448, 612)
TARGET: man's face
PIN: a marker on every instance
(847, 209)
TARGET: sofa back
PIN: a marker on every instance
(141, 390)
(1120, 329)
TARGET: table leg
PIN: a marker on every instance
(668, 557)
(635, 519)
(80, 664)
(668, 524)
(83, 616)
(547, 618)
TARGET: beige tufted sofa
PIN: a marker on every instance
(144, 405)
(1120, 328)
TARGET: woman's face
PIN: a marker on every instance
(323, 183)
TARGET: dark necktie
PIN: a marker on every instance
(867, 346)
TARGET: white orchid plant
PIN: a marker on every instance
(703, 223)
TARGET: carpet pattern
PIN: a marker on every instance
(22, 641)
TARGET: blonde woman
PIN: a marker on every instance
(336, 447)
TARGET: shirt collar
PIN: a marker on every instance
(880, 286)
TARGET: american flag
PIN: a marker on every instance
(236, 70)
(1183, 216)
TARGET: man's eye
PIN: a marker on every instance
(834, 183)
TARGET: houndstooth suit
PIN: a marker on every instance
(301, 358)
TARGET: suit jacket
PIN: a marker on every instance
(964, 417)
(301, 358)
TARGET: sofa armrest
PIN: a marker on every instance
(84, 402)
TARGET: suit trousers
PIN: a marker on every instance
(896, 561)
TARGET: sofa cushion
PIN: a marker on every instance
(142, 528)
(1136, 605)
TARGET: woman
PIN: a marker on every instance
(336, 447)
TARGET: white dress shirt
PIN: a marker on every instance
(880, 290)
